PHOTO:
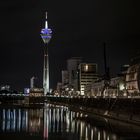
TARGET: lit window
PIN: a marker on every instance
(86, 67)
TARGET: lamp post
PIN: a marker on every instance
(46, 34)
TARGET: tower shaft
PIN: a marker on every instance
(46, 70)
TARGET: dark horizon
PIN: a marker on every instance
(79, 30)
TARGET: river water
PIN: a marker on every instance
(53, 122)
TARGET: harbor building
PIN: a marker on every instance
(87, 75)
(5, 87)
(133, 79)
(36, 92)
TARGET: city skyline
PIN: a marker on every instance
(79, 30)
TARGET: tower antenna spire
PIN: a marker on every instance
(46, 22)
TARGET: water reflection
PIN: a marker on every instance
(55, 122)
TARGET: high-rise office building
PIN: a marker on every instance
(65, 77)
(72, 67)
(32, 82)
(87, 75)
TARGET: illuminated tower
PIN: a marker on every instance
(46, 35)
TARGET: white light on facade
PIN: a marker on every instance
(121, 86)
(86, 67)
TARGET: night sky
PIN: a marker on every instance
(79, 29)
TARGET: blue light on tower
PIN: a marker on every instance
(46, 34)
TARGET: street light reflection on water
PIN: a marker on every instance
(50, 123)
